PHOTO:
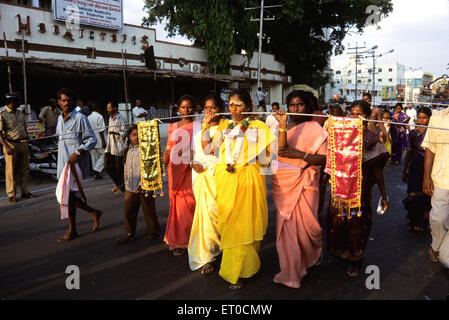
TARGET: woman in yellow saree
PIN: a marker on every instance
(204, 243)
(242, 145)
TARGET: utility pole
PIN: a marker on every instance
(25, 94)
(372, 54)
(261, 20)
(356, 48)
(8, 64)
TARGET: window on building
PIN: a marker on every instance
(338, 81)
(349, 71)
(24, 2)
(390, 70)
(369, 80)
(337, 72)
(379, 70)
(359, 71)
(91, 54)
(370, 70)
(46, 4)
(379, 80)
(390, 80)
(349, 81)
(359, 81)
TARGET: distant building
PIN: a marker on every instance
(417, 86)
(384, 83)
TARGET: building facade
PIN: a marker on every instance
(101, 63)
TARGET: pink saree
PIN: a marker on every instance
(182, 199)
(296, 196)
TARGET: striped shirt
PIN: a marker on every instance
(116, 143)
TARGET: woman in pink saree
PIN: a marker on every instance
(177, 158)
(296, 190)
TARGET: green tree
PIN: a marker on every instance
(296, 38)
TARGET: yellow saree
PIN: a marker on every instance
(241, 199)
(204, 243)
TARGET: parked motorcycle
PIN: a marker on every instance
(43, 158)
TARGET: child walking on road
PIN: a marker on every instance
(134, 197)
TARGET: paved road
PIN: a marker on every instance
(33, 264)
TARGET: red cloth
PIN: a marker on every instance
(344, 162)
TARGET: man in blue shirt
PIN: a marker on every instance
(75, 139)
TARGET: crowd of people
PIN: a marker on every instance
(217, 168)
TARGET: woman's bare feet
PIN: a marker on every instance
(97, 216)
(236, 286)
(68, 237)
(114, 189)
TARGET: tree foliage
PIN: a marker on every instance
(296, 37)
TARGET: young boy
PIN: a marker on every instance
(134, 197)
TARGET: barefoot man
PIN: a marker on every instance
(75, 139)
(376, 114)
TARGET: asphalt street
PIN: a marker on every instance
(33, 264)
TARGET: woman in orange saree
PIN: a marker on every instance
(177, 159)
(296, 193)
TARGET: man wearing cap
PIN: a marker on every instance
(13, 137)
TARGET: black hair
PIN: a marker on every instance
(113, 103)
(426, 111)
(314, 102)
(218, 101)
(336, 111)
(399, 105)
(69, 93)
(189, 98)
(366, 108)
(130, 129)
(243, 95)
(304, 96)
(367, 94)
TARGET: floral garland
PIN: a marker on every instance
(238, 132)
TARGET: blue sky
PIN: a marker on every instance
(417, 30)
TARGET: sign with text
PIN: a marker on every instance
(102, 13)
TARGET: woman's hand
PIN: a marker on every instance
(208, 117)
(284, 152)
(198, 167)
(427, 186)
(281, 117)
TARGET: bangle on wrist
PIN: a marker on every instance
(282, 130)
(305, 156)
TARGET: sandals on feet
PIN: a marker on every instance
(236, 286)
(179, 251)
(208, 268)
